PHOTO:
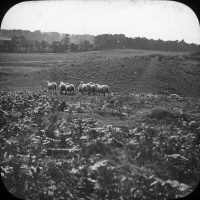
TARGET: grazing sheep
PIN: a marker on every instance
(62, 87)
(102, 89)
(92, 88)
(52, 86)
(66, 88)
(84, 88)
(70, 89)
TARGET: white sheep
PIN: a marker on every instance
(92, 88)
(62, 87)
(102, 89)
(70, 89)
(52, 86)
(84, 88)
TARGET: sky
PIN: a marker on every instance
(166, 20)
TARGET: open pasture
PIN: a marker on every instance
(131, 70)
(139, 143)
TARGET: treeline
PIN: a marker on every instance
(45, 36)
(35, 35)
(120, 41)
(19, 44)
(100, 42)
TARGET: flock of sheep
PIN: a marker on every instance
(84, 88)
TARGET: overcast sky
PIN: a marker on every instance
(166, 20)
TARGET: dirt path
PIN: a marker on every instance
(147, 80)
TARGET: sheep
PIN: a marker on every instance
(70, 88)
(84, 88)
(66, 88)
(92, 88)
(62, 87)
(102, 89)
(52, 86)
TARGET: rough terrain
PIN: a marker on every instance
(130, 70)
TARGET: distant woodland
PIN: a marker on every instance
(23, 41)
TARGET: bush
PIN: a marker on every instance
(48, 155)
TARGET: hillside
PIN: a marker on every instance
(132, 144)
(130, 70)
(142, 146)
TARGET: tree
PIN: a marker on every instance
(74, 47)
(57, 47)
(19, 43)
(85, 46)
(45, 47)
(14, 43)
(66, 43)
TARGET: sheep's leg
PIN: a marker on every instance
(49, 92)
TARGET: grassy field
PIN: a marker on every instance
(131, 70)
(139, 143)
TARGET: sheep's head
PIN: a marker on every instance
(81, 82)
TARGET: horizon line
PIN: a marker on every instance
(102, 34)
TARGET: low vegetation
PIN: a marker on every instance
(130, 70)
(137, 145)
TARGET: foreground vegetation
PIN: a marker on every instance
(138, 145)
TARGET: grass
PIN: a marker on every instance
(138, 143)
(142, 71)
